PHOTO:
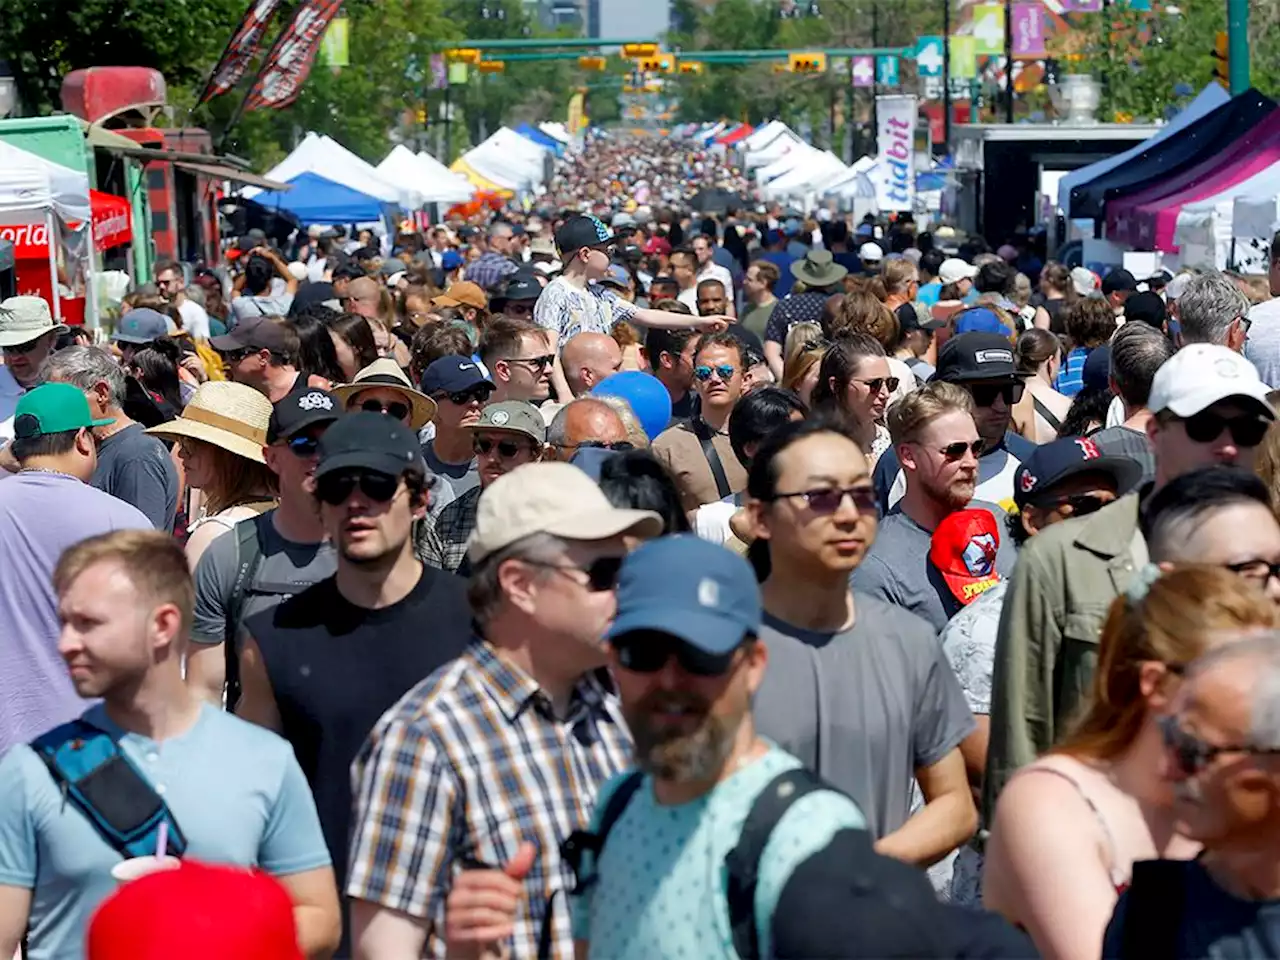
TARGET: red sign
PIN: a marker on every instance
(112, 226)
(290, 59)
(241, 49)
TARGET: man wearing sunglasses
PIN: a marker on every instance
(323, 666)
(585, 422)
(1222, 750)
(267, 559)
(27, 336)
(525, 725)
(519, 358)
(508, 434)
(981, 364)
(460, 389)
(1209, 408)
(261, 352)
(518, 297)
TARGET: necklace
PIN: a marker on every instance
(56, 473)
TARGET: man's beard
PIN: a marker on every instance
(669, 755)
(956, 494)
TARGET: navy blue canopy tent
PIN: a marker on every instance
(315, 199)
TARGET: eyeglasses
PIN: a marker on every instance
(477, 394)
(303, 446)
(536, 362)
(28, 347)
(1081, 504)
(618, 446)
(876, 383)
(602, 573)
(985, 394)
(396, 411)
(957, 450)
(827, 500)
(506, 448)
(1193, 754)
(1257, 569)
(1206, 427)
(724, 371)
(230, 357)
(335, 488)
(648, 652)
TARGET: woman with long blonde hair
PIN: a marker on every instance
(1069, 827)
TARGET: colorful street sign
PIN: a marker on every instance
(929, 56)
(1029, 30)
(864, 71)
(964, 58)
(887, 71)
(988, 29)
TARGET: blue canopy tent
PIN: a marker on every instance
(315, 199)
(540, 138)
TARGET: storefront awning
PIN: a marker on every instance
(223, 172)
(203, 164)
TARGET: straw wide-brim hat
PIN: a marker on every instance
(385, 372)
(227, 415)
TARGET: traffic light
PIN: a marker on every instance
(691, 67)
(662, 63)
(491, 66)
(464, 56)
(807, 62)
(592, 63)
(638, 51)
(1222, 59)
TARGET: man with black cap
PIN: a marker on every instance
(460, 388)
(822, 277)
(518, 297)
(1118, 286)
(262, 352)
(576, 301)
(268, 558)
(982, 364)
(322, 667)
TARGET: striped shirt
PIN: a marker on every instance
(1071, 376)
(468, 765)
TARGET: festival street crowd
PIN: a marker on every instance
(647, 572)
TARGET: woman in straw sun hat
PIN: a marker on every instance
(220, 437)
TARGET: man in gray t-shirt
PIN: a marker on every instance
(865, 708)
(137, 469)
(897, 568)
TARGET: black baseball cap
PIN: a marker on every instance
(976, 356)
(1051, 463)
(257, 333)
(300, 409)
(1118, 281)
(519, 287)
(370, 441)
(452, 374)
(1146, 307)
(582, 231)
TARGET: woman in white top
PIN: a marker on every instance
(1069, 827)
(1042, 409)
(854, 385)
(220, 438)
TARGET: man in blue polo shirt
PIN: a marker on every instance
(233, 792)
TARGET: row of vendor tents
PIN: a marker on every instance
(1206, 187)
(330, 184)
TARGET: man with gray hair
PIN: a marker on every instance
(132, 465)
(491, 269)
(1138, 350)
(1222, 748)
(1212, 309)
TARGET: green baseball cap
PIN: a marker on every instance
(53, 408)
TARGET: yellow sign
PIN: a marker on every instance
(634, 51)
(808, 62)
(691, 66)
(335, 47)
(577, 114)
(592, 63)
(457, 74)
(466, 55)
(491, 66)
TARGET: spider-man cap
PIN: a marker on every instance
(964, 551)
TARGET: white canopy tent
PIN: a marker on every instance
(809, 175)
(1205, 229)
(327, 158)
(405, 168)
(509, 160)
(557, 131)
(799, 157)
(35, 191)
(762, 137)
(785, 143)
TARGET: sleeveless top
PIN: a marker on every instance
(1119, 876)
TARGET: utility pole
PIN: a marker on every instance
(946, 76)
(1008, 61)
(1238, 44)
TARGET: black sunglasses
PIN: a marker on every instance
(828, 499)
(602, 573)
(479, 393)
(1193, 754)
(955, 451)
(506, 448)
(537, 362)
(648, 652)
(1206, 427)
(875, 383)
(984, 394)
(1081, 504)
(618, 446)
(303, 446)
(335, 488)
(396, 411)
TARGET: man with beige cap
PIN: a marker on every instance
(496, 757)
(27, 334)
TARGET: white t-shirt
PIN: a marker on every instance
(713, 271)
(194, 319)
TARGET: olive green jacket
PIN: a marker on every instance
(1047, 645)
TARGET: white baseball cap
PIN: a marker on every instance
(1201, 374)
(1085, 281)
(953, 270)
(870, 253)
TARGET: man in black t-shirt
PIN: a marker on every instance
(322, 667)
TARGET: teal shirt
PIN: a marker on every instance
(235, 789)
(660, 888)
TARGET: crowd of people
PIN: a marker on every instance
(612, 580)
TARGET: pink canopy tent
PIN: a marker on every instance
(1147, 220)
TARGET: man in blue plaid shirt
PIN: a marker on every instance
(497, 757)
(495, 265)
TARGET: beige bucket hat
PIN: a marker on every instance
(23, 319)
(385, 372)
(227, 415)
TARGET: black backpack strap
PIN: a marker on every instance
(706, 437)
(248, 558)
(1045, 412)
(1153, 910)
(743, 861)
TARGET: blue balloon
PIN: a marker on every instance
(646, 394)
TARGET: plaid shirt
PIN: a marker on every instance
(490, 270)
(470, 763)
(441, 541)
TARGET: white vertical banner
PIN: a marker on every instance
(894, 174)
